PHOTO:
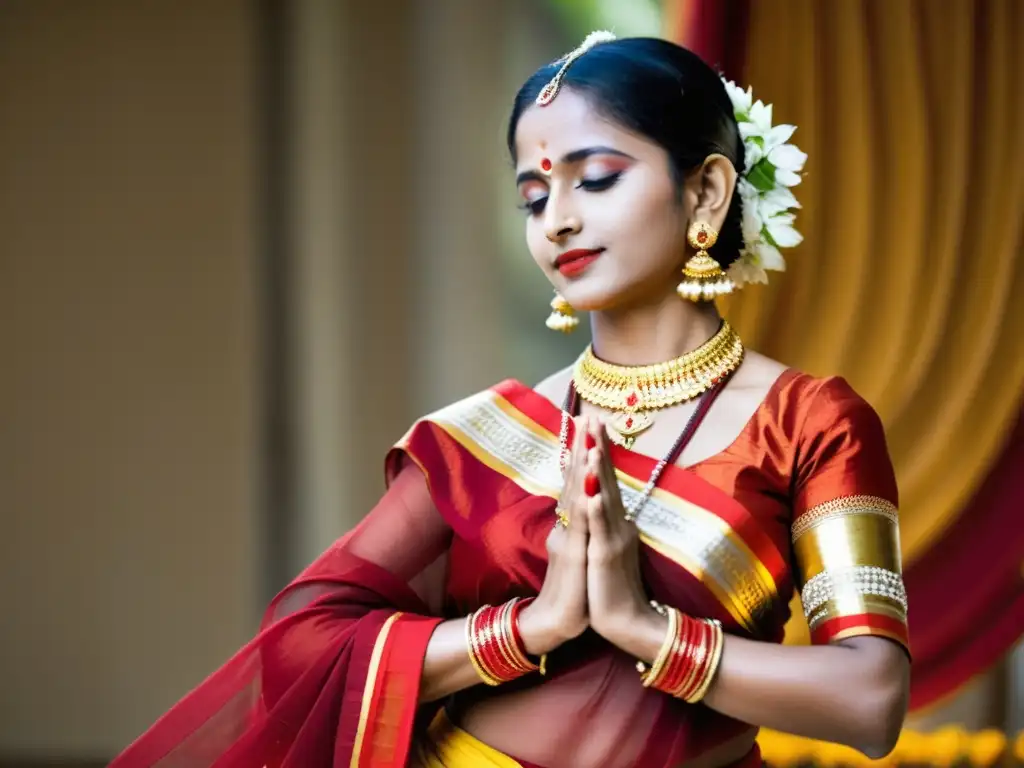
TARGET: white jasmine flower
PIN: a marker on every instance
(771, 167)
(780, 229)
(741, 100)
(743, 272)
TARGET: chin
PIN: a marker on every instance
(592, 295)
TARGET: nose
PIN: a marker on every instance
(559, 222)
(558, 235)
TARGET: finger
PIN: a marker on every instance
(576, 496)
(609, 481)
(597, 520)
(572, 466)
(576, 452)
(597, 512)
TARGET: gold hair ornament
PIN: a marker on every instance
(548, 92)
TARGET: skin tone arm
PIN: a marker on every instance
(854, 692)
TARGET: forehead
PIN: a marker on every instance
(569, 123)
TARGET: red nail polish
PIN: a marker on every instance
(591, 442)
(591, 485)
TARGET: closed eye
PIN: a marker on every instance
(534, 207)
(601, 184)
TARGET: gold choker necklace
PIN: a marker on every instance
(632, 392)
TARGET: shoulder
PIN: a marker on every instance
(807, 408)
(841, 448)
(824, 403)
(555, 386)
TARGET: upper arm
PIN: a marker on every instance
(845, 528)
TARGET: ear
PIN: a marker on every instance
(710, 190)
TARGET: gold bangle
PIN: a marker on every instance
(641, 667)
(651, 676)
(518, 654)
(472, 648)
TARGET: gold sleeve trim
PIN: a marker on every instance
(848, 541)
(849, 505)
(853, 591)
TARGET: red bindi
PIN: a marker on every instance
(545, 165)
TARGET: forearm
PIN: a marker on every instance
(447, 667)
(853, 693)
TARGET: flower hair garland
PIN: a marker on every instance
(772, 167)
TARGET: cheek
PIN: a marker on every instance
(536, 242)
(649, 229)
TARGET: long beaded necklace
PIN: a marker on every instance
(633, 392)
(571, 407)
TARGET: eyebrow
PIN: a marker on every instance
(572, 157)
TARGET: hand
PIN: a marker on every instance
(560, 611)
(615, 593)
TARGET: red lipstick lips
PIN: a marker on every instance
(575, 261)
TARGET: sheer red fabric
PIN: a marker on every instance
(332, 679)
(333, 676)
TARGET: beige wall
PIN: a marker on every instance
(128, 402)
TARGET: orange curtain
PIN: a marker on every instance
(909, 280)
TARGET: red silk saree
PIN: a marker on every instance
(803, 498)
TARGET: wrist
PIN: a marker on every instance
(539, 635)
(640, 633)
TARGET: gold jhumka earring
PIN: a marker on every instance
(563, 317)
(703, 278)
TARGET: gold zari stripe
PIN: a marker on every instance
(506, 440)
(369, 687)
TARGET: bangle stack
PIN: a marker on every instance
(496, 648)
(688, 658)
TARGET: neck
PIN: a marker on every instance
(653, 333)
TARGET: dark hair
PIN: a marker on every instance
(663, 92)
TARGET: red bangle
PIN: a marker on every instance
(495, 643)
(693, 654)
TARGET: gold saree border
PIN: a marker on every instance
(503, 438)
(370, 687)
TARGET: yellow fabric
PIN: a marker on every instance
(448, 746)
(909, 280)
(945, 747)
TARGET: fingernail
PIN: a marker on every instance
(591, 485)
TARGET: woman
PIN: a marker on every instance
(597, 571)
